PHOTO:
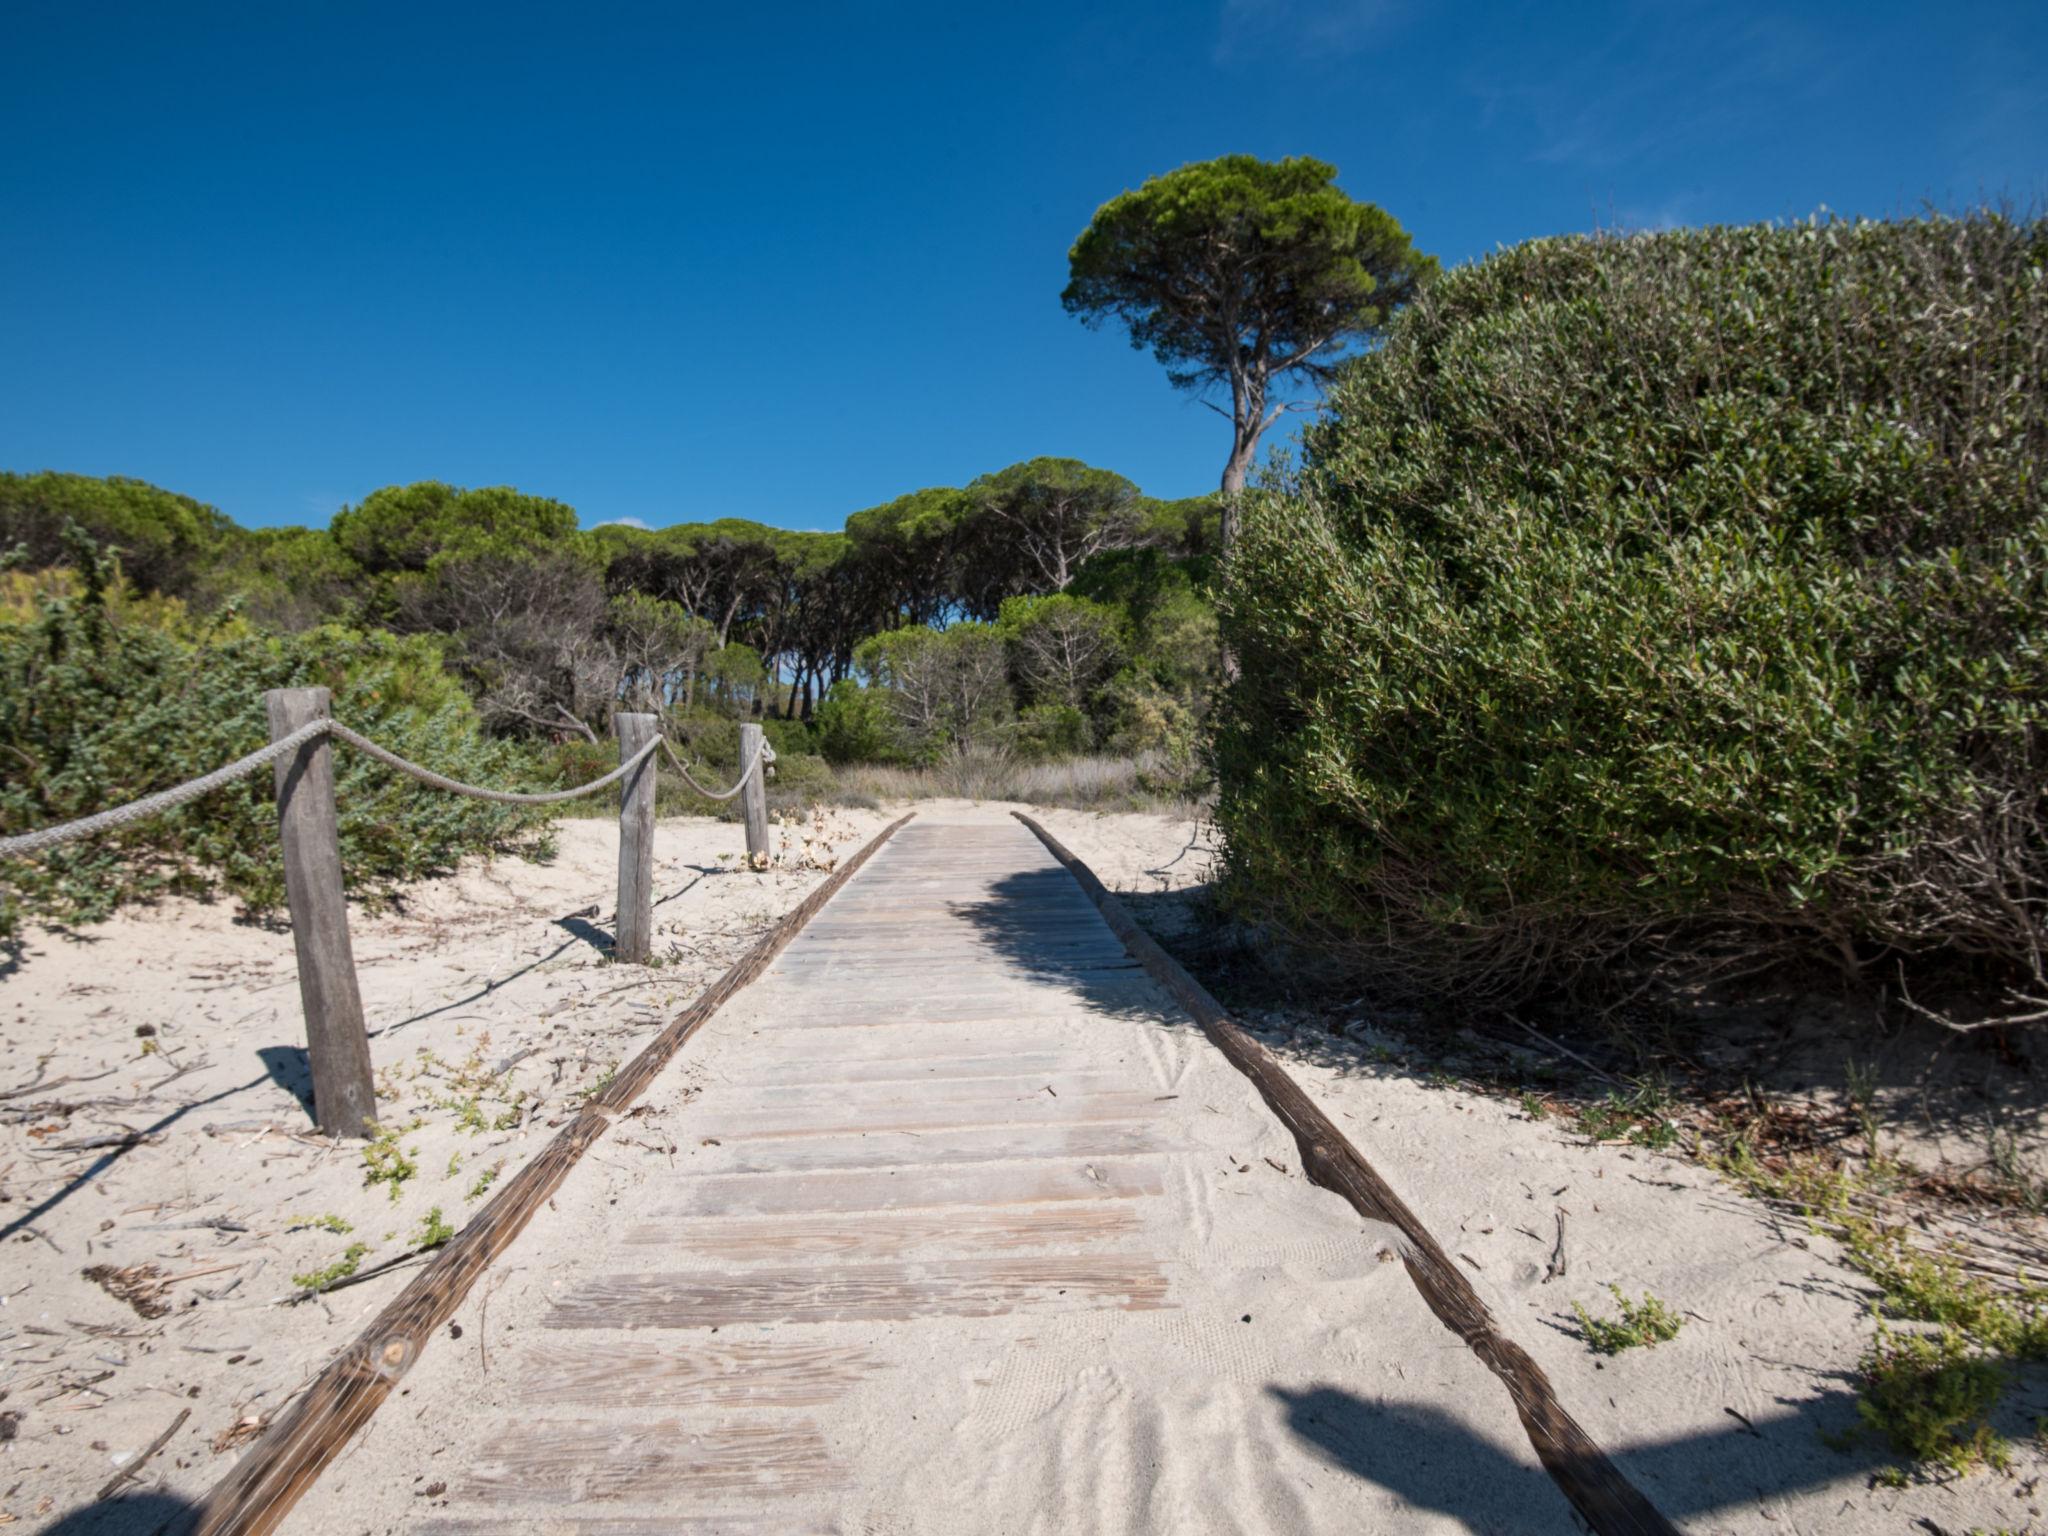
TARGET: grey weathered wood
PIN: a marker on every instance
(260, 1490)
(344, 1097)
(635, 943)
(754, 798)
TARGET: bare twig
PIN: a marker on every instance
(126, 1473)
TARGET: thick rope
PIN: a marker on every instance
(762, 758)
(241, 767)
(165, 800)
(427, 776)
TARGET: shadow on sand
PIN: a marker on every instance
(1423, 1455)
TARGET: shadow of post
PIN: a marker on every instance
(129, 1514)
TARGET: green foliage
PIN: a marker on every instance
(414, 527)
(1669, 601)
(1641, 1324)
(853, 724)
(485, 1180)
(1235, 272)
(104, 699)
(162, 541)
(1929, 1395)
(318, 1280)
(1051, 731)
(386, 1162)
(433, 1231)
(943, 689)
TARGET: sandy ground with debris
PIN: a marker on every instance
(168, 1146)
(228, 1196)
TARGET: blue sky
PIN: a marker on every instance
(786, 261)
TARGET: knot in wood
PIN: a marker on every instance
(395, 1356)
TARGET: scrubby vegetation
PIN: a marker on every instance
(970, 636)
(1665, 606)
(106, 696)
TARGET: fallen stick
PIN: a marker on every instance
(39, 1086)
(128, 1472)
(263, 1486)
(1611, 1504)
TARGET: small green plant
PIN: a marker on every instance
(317, 1280)
(1934, 1287)
(1657, 1134)
(1642, 1324)
(509, 1120)
(325, 1223)
(387, 1163)
(2011, 1177)
(1930, 1396)
(433, 1232)
(1606, 1120)
(1927, 1393)
(485, 1180)
(1862, 1084)
(1534, 1107)
(454, 1165)
(604, 1081)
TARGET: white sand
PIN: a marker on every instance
(1396, 1409)
(494, 963)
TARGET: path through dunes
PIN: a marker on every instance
(952, 1221)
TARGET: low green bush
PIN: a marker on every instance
(853, 724)
(1671, 603)
(1051, 731)
(105, 698)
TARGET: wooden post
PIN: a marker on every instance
(635, 944)
(754, 798)
(344, 1097)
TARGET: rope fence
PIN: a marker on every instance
(242, 767)
(764, 759)
(163, 800)
(301, 758)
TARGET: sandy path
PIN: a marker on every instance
(1341, 1406)
(492, 1008)
(967, 1229)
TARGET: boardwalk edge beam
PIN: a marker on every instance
(1610, 1504)
(260, 1490)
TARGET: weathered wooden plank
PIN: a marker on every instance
(997, 1081)
(702, 1373)
(592, 1461)
(784, 1521)
(883, 1068)
(875, 1293)
(1026, 1107)
(956, 1230)
(261, 1488)
(909, 1151)
(881, 1189)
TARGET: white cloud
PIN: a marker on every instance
(625, 522)
(1298, 28)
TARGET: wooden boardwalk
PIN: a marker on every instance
(951, 1222)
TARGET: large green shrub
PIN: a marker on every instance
(104, 699)
(1674, 601)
